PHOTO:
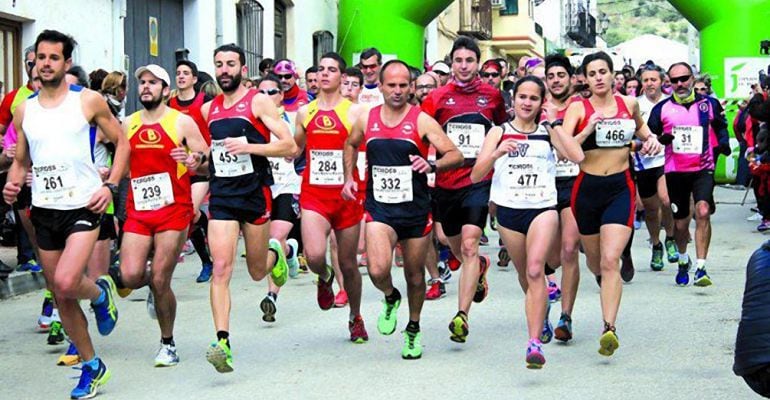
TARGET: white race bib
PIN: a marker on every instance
(326, 167)
(615, 132)
(54, 183)
(392, 185)
(467, 137)
(527, 179)
(152, 192)
(281, 170)
(566, 168)
(361, 165)
(688, 140)
(228, 165)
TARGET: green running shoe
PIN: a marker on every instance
(220, 357)
(280, 271)
(412, 346)
(608, 342)
(459, 328)
(56, 334)
(656, 264)
(671, 251)
(386, 322)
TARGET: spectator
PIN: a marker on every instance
(425, 84)
(293, 96)
(631, 87)
(752, 343)
(265, 66)
(114, 91)
(76, 75)
(441, 69)
(352, 82)
(95, 79)
(311, 82)
(620, 81)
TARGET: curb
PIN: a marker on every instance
(17, 284)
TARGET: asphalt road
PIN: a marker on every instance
(676, 343)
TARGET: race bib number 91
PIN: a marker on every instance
(392, 185)
(228, 165)
(326, 167)
(467, 137)
(615, 132)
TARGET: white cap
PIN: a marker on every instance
(156, 70)
(440, 66)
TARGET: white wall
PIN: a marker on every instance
(200, 32)
(304, 19)
(95, 24)
(549, 15)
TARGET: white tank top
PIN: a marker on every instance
(64, 175)
(526, 177)
(285, 179)
(643, 162)
(370, 97)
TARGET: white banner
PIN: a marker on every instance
(741, 73)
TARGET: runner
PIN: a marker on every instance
(688, 121)
(189, 102)
(159, 207)
(650, 180)
(240, 121)
(466, 108)
(398, 200)
(285, 209)
(604, 194)
(322, 128)
(370, 62)
(521, 153)
(54, 130)
(559, 74)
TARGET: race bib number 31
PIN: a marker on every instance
(467, 137)
(392, 185)
(326, 167)
(615, 132)
(688, 140)
(152, 192)
(228, 165)
(54, 183)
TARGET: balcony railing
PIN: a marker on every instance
(476, 18)
(581, 25)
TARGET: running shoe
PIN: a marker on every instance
(493, 223)
(626, 268)
(106, 313)
(683, 276)
(303, 269)
(671, 251)
(114, 272)
(56, 334)
(280, 270)
(444, 272)
(205, 274)
(29, 266)
(656, 264)
(503, 259)
(535, 357)
(459, 328)
(554, 293)
(547, 334)
(563, 332)
(701, 278)
(151, 305)
(399, 257)
(436, 291)
(608, 342)
(268, 308)
(341, 299)
(754, 217)
(167, 356)
(598, 280)
(325, 291)
(188, 248)
(45, 320)
(70, 358)
(484, 240)
(763, 226)
(358, 330)
(412, 349)
(293, 261)
(386, 322)
(220, 356)
(452, 262)
(90, 380)
(482, 287)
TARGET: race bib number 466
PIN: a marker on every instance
(152, 192)
(228, 165)
(326, 167)
(615, 132)
(467, 137)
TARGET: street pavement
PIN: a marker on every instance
(675, 343)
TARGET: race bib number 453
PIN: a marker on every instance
(326, 167)
(228, 165)
(615, 132)
(467, 137)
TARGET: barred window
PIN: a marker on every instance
(323, 42)
(249, 14)
(11, 70)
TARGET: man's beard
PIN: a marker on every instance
(235, 81)
(150, 105)
(53, 82)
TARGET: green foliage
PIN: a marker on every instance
(631, 18)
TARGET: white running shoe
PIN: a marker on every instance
(754, 217)
(167, 356)
(293, 261)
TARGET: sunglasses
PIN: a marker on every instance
(270, 92)
(285, 76)
(30, 64)
(441, 73)
(490, 74)
(701, 89)
(368, 66)
(425, 87)
(680, 79)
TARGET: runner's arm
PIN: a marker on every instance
(353, 142)
(18, 171)
(300, 136)
(451, 157)
(110, 126)
(566, 145)
(265, 110)
(485, 161)
(191, 135)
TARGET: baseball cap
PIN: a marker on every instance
(492, 64)
(285, 67)
(189, 64)
(441, 67)
(156, 70)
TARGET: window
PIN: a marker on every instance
(511, 8)
(280, 30)
(249, 13)
(323, 42)
(11, 63)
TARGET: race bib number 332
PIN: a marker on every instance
(392, 185)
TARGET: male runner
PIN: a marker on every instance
(54, 133)
(370, 62)
(240, 121)
(398, 199)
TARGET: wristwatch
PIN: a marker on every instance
(113, 188)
